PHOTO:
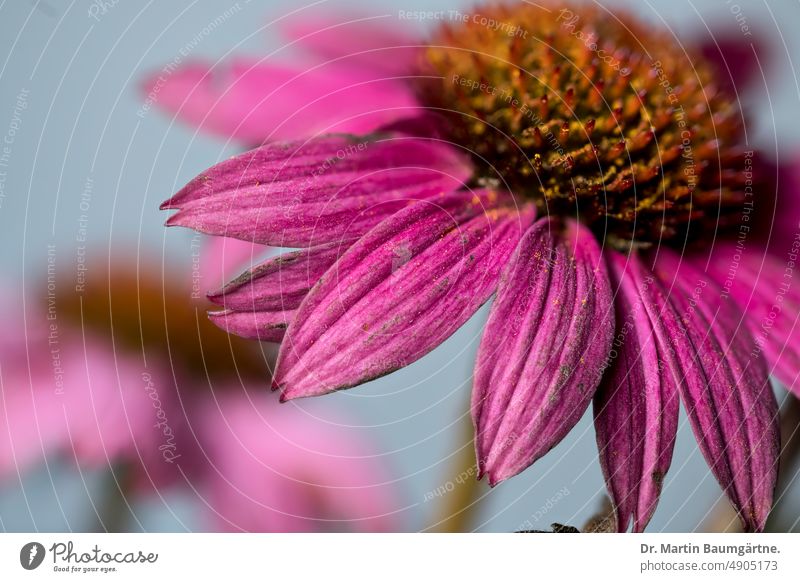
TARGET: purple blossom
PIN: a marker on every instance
(410, 223)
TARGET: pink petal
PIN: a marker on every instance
(260, 303)
(636, 405)
(771, 218)
(374, 42)
(271, 469)
(322, 191)
(399, 292)
(764, 289)
(254, 101)
(279, 283)
(543, 348)
(726, 389)
(737, 59)
(779, 211)
(267, 326)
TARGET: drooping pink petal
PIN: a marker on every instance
(260, 303)
(266, 326)
(322, 191)
(398, 292)
(726, 389)
(255, 101)
(636, 405)
(543, 349)
(279, 283)
(765, 289)
(366, 41)
(270, 469)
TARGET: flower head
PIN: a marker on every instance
(590, 115)
(557, 159)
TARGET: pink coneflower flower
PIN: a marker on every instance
(270, 469)
(68, 395)
(582, 167)
(108, 383)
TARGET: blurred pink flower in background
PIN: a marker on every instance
(183, 420)
(277, 465)
(68, 396)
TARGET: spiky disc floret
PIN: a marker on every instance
(590, 112)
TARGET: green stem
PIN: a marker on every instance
(462, 501)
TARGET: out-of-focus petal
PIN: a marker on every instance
(256, 101)
(72, 395)
(543, 349)
(273, 469)
(726, 389)
(770, 216)
(779, 207)
(322, 191)
(636, 405)
(375, 42)
(737, 59)
(399, 292)
(766, 290)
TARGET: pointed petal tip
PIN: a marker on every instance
(218, 318)
(493, 477)
(213, 315)
(176, 219)
(513, 399)
(186, 220)
(736, 430)
(286, 394)
(216, 296)
(752, 522)
(621, 525)
(638, 522)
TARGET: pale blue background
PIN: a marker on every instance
(81, 122)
